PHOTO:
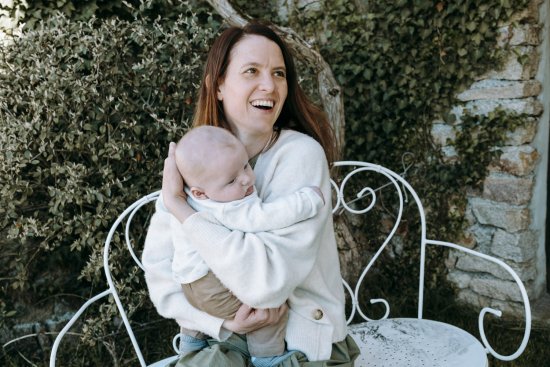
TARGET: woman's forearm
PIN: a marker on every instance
(165, 293)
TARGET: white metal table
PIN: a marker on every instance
(403, 342)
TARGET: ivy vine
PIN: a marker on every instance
(401, 64)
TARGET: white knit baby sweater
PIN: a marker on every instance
(298, 264)
(249, 214)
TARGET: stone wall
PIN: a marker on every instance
(504, 216)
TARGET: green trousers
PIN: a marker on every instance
(234, 353)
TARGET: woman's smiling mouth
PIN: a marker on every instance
(263, 104)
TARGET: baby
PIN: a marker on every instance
(219, 179)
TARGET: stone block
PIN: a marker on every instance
(515, 309)
(449, 154)
(519, 247)
(519, 34)
(496, 288)
(450, 261)
(473, 264)
(473, 192)
(529, 106)
(469, 215)
(508, 188)
(468, 240)
(523, 134)
(483, 235)
(516, 160)
(525, 34)
(528, 15)
(501, 89)
(513, 69)
(469, 297)
(459, 278)
(442, 133)
(512, 218)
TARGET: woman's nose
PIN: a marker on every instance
(267, 83)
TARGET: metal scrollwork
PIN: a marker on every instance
(403, 188)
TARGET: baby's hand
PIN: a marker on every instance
(318, 191)
(174, 197)
(172, 182)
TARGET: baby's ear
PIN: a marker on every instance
(198, 193)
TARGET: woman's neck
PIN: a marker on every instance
(255, 144)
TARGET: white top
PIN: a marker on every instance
(298, 264)
(249, 214)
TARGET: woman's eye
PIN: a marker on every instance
(251, 71)
(280, 73)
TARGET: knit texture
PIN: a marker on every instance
(297, 264)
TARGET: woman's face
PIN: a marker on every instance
(254, 87)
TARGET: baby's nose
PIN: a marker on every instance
(246, 180)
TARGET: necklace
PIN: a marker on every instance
(267, 143)
(253, 159)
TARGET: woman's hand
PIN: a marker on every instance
(175, 199)
(248, 319)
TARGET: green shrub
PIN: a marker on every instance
(86, 113)
(31, 13)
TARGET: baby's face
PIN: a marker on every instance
(230, 176)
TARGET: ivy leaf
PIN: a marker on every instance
(471, 26)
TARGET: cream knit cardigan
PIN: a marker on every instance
(298, 264)
(249, 214)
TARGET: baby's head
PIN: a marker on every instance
(214, 164)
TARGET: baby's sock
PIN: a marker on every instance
(190, 344)
(270, 361)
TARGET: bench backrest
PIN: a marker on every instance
(342, 200)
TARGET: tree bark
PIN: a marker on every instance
(329, 90)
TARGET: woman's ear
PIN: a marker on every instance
(208, 83)
(198, 193)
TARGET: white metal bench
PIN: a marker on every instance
(385, 342)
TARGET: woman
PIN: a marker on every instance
(250, 87)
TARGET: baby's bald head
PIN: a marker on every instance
(198, 148)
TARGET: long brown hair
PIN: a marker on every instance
(298, 112)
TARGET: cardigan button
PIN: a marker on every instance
(318, 314)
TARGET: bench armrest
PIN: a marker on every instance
(493, 311)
